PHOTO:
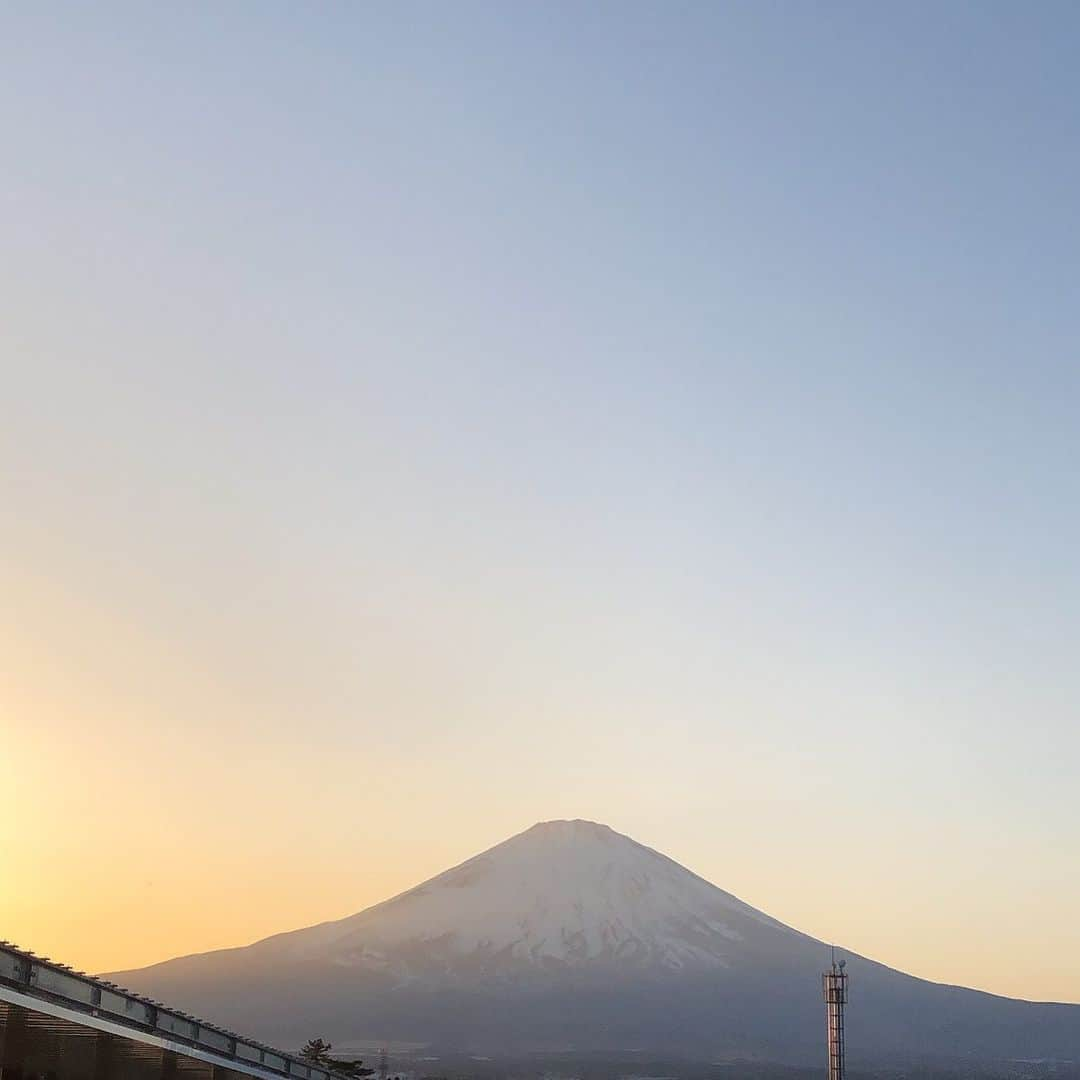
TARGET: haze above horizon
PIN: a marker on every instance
(423, 421)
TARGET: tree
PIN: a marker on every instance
(353, 1068)
(317, 1051)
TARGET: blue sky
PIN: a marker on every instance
(656, 413)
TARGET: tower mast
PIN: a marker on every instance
(834, 990)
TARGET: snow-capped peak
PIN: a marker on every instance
(561, 893)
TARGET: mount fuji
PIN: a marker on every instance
(571, 936)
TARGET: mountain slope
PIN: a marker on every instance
(562, 894)
(571, 935)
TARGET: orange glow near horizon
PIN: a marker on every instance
(126, 842)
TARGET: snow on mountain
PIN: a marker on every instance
(563, 892)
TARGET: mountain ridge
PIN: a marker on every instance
(570, 934)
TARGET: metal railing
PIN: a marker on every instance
(43, 978)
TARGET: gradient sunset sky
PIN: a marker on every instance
(423, 420)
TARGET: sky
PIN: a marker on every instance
(421, 420)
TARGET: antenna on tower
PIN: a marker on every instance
(834, 990)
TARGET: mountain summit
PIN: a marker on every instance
(561, 894)
(573, 936)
